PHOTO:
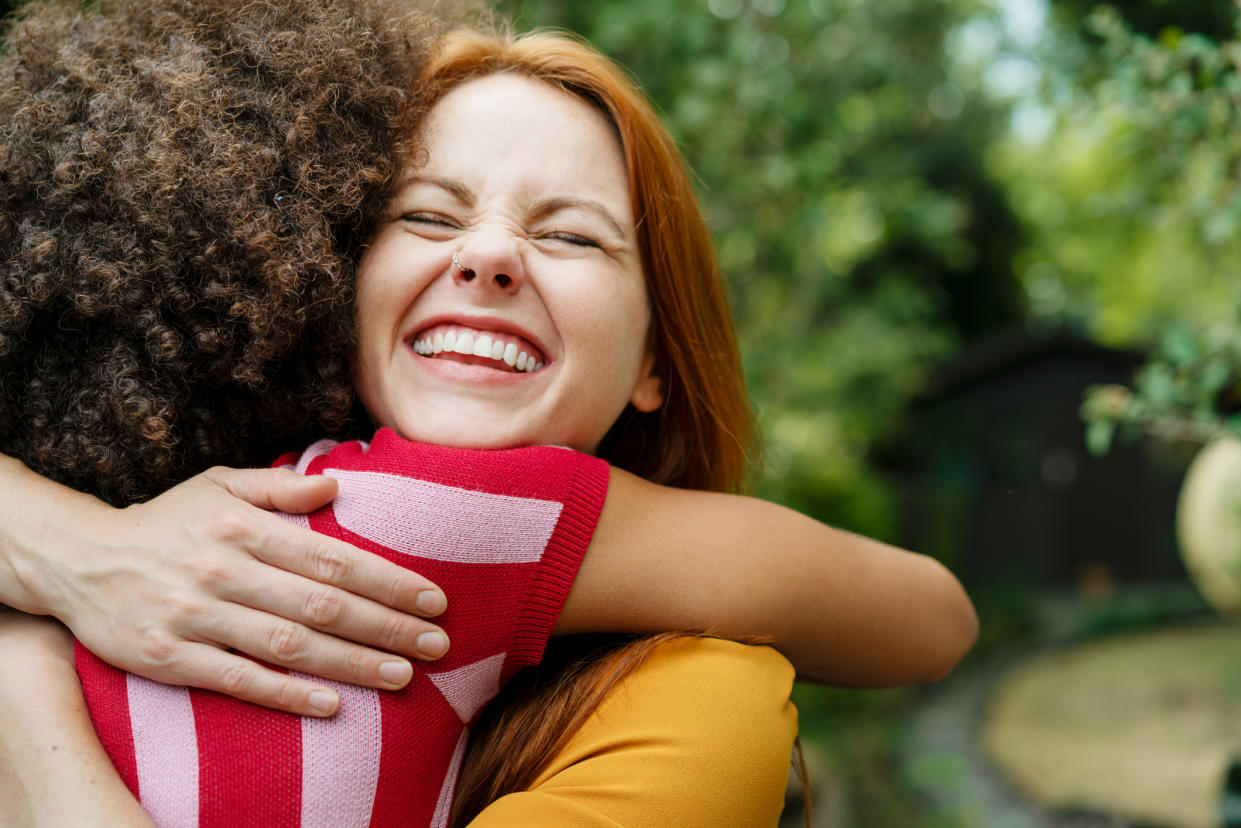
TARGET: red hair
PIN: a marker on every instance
(702, 436)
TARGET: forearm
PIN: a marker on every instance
(844, 609)
(53, 771)
(38, 519)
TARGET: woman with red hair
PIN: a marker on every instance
(845, 609)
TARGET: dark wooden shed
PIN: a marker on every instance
(997, 480)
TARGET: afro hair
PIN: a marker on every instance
(184, 189)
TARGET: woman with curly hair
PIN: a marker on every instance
(184, 188)
(892, 617)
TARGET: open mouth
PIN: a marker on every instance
(501, 351)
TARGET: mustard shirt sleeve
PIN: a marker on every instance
(700, 735)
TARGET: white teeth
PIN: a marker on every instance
(482, 345)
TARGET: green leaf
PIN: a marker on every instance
(1099, 436)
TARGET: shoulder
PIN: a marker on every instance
(720, 674)
(719, 704)
(700, 734)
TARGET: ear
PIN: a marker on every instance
(648, 393)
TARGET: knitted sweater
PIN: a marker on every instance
(501, 532)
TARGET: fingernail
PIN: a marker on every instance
(396, 673)
(433, 644)
(323, 701)
(431, 602)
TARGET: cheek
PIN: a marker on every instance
(613, 326)
(372, 303)
(636, 321)
(364, 373)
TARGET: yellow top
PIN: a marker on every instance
(700, 734)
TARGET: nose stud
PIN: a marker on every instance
(501, 279)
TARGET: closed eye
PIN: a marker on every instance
(571, 238)
(437, 219)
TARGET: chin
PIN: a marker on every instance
(457, 437)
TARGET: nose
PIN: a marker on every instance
(490, 259)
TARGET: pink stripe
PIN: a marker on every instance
(165, 751)
(340, 760)
(316, 450)
(444, 523)
(297, 520)
(468, 688)
(443, 806)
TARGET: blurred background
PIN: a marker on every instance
(984, 259)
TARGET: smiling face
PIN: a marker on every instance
(527, 185)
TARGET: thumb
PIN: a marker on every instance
(282, 489)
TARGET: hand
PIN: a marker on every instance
(167, 588)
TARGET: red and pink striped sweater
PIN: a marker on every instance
(501, 532)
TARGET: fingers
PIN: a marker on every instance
(326, 609)
(316, 556)
(333, 562)
(296, 647)
(275, 488)
(214, 669)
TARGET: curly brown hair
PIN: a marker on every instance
(184, 186)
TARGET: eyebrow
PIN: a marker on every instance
(539, 210)
(454, 187)
(544, 209)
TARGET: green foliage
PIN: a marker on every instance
(841, 172)
(1132, 204)
(1189, 389)
(1213, 18)
(1142, 232)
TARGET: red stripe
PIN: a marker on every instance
(420, 734)
(108, 702)
(259, 784)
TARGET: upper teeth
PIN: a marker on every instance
(481, 345)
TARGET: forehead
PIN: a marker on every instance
(515, 130)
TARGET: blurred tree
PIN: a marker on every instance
(1211, 18)
(1132, 201)
(841, 169)
(1176, 98)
